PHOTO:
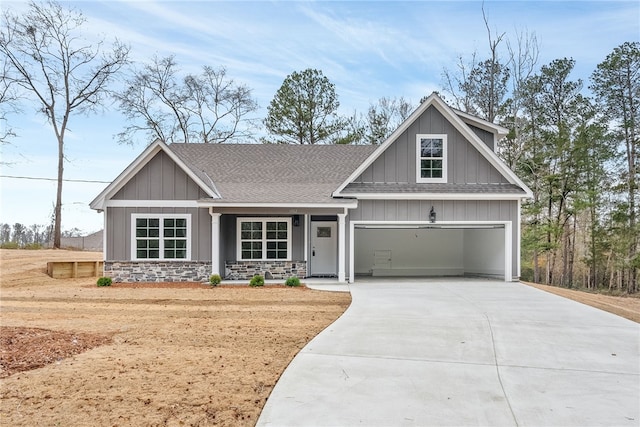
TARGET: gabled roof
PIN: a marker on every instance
(459, 123)
(277, 174)
(154, 148)
(287, 175)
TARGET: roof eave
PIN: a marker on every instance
(350, 204)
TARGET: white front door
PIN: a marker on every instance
(324, 248)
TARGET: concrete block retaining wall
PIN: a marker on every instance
(279, 270)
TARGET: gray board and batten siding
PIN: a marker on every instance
(465, 163)
(468, 172)
(468, 211)
(160, 179)
(119, 236)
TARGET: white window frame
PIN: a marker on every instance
(161, 218)
(264, 221)
(419, 158)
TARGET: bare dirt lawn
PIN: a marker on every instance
(627, 306)
(72, 353)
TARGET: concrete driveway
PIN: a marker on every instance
(462, 352)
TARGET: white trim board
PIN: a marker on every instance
(351, 204)
(115, 203)
(437, 196)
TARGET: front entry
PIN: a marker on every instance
(324, 248)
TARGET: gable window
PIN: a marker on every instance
(161, 237)
(431, 156)
(264, 239)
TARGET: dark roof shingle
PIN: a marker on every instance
(270, 173)
(406, 188)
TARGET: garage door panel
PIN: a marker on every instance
(412, 252)
(429, 250)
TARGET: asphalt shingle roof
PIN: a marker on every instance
(273, 173)
(390, 188)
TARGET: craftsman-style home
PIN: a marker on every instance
(433, 199)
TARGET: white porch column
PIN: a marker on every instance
(215, 241)
(341, 246)
(104, 234)
(306, 240)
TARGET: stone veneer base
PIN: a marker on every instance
(279, 270)
(161, 271)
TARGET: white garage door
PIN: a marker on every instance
(430, 250)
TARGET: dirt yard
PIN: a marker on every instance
(75, 354)
(187, 355)
(627, 307)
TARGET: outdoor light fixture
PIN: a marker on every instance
(432, 215)
(296, 220)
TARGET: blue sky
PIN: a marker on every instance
(369, 50)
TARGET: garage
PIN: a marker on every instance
(428, 249)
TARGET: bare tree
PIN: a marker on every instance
(480, 87)
(218, 106)
(59, 70)
(489, 78)
(523, 59)
(384, 117)
(8, 102)
(456, 84)
(208, 107)
(381, 120)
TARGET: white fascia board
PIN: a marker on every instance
(141, 161)
(350, 205)
(115, 203)
(437, 196)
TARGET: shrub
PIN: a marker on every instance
(9, 245)
(215, 279)
(105, 281)
(292, 281)
(33, 246)
(526, 274)
(257, 280)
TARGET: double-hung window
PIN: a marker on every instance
(161, 237)
(431, 155)
(264, 239)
